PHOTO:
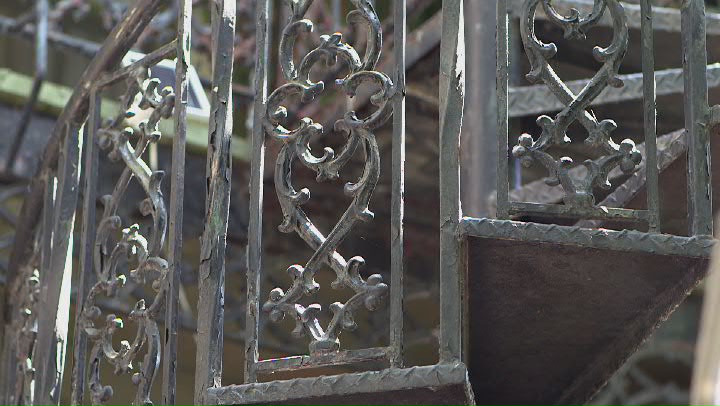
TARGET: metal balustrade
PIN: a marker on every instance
(325, 348)
(474, 251)
(35, 347)
(576, 272)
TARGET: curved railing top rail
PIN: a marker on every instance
(120, 40)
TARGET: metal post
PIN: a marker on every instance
(398, 190)
(211, 301)
(257, 166)
(696, 117)
(55, 277)
(452, 95)
(177, 194)
(87, 271)
(503, 185)
(650, 113)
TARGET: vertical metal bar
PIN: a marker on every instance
(11, 375)
(86, 278)
(41, 39)
(479, 157)
(452, 97)
(177, 197)
(398, 190)
(650, 112)
(211, 301)
(254, 247)
(55, 278)
(696, 117)
(9, 345)
(337, 14)
(502, 77)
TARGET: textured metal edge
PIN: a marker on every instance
(626, 240)
(539, 192)
(347, 357)
(341, 385)
(452, 99)
(664, 18)
(671, 150)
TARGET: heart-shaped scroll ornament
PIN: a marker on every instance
(296, 146)
(578, 192)
(118, 248)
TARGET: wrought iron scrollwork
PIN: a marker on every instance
(296, 146)
(578, 192)
(25, 330)
(115, 250)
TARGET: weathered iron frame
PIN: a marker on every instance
(457, 228)
(393, 353)
(54, 193)
(450, 370)
(697, 122)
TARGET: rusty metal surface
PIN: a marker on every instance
(300, 390)
(564, 320)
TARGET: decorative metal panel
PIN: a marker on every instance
(360, 140)
(580, 187)
(121, 251)
(296, 147)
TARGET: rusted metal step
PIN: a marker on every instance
(555, 310)
(444, 384)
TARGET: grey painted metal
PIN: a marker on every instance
(397, 213)
(452, 97)
(626, 240)
(86, 278)
(257, 168)
(211, 281)
(502, 86)
(536, 99)
(177, 195)
(49, 357)
(650, 115)
(697, 114)
(343, 385)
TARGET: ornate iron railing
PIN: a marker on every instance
(114, 250)
(579, 191)
(38, 296)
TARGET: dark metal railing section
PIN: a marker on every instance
(114, 250)
(579, 191)
(296, 147)
(35, 346)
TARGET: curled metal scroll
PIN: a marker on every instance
(25, 330)
(296, 146)
(118, 248)
(578, 192)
